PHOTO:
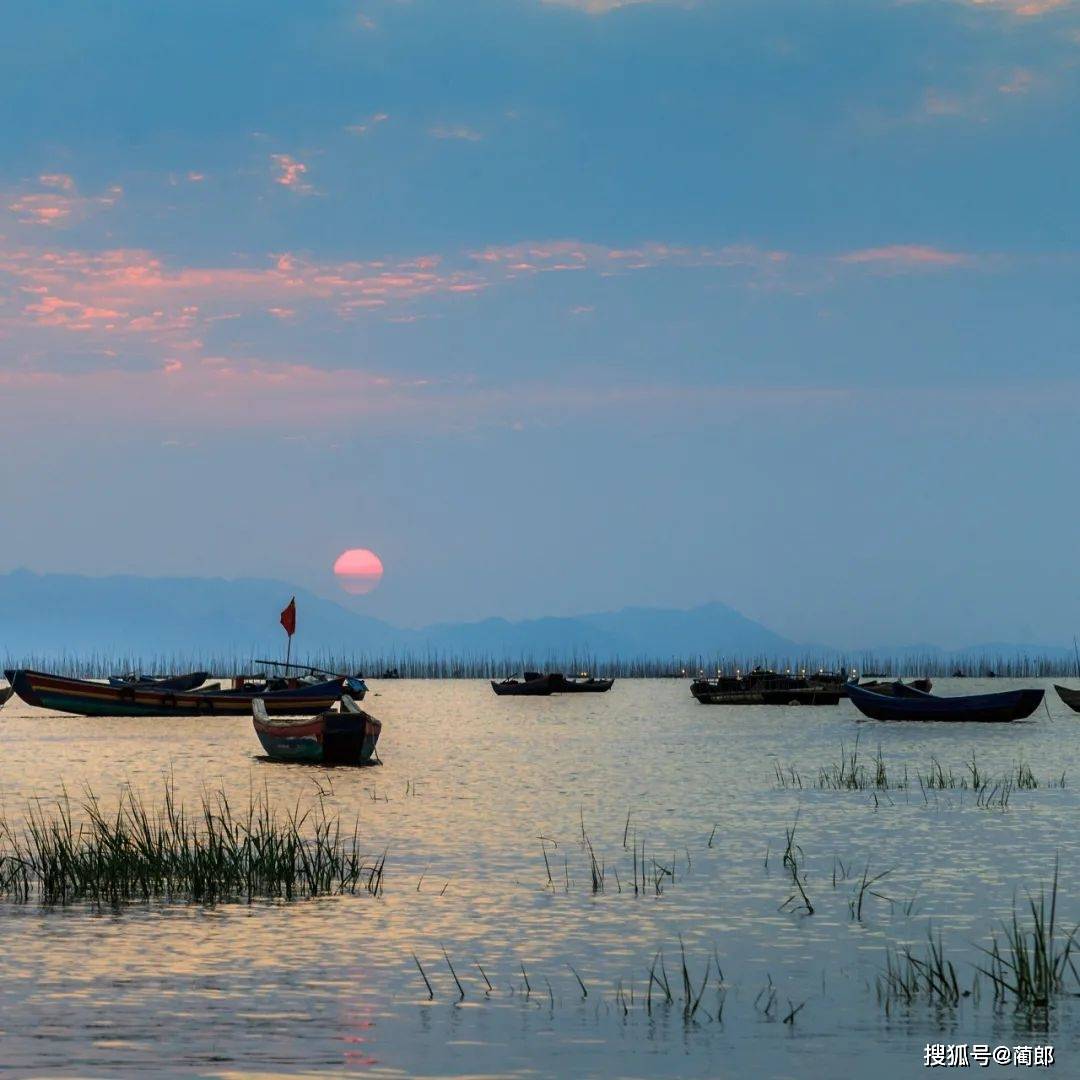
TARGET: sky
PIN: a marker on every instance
(557, 305)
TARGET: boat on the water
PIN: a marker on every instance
(580, 684)
(972, 708)
(764, 687)
(335, 737)
(531, 684)
(897, 687)
(282, 697)
(191, 681)
(1070, 697)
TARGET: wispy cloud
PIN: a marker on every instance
(291, 173)
(1026, 9)
(907, 257)
(601, 7)
(455, 131)
(55, 201)
(369, 124)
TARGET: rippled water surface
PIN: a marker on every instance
(468, 785)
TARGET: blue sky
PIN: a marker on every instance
(558, 306)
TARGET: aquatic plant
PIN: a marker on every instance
(1030, 966)
(908, 977)
(214, 853)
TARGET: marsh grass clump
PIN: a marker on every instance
(908, 978)
(855, 772)
(213, 853)
(1031, 965)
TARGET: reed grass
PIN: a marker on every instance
(213, 853)
(930, 977)
(855, 772)
(1031, 964)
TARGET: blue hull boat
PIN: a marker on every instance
(975, 708)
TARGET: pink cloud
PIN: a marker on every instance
(59, 203)
(291, 173)
(907, 257)
(1026, 9)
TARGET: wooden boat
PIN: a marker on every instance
(1070, 697)
(5, 693)
(281, 697)
(532, 684)
(897, 687)
(974, 708)
(345, 737)
(583, 684)
(761, 687)
(191, 681)
(312, 675)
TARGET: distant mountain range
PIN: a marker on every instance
(51, 616)
(65, 614)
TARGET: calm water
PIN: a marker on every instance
(470, 782)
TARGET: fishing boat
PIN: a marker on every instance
(1070, 697)
(764, 687)
(531, 684)
(972, 708)
(191, 681)
(310, 675)
(581, 684)
(5, 693)
(282, 697)
(897, 687)
(336, 737)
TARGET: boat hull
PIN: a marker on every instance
(532, 688)
(5, 693)
(1070, 697)
(332, 738)
(978, 708)
(84, 698)
(560, 684)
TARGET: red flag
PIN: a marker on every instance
(288, 618)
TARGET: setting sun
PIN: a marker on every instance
(358, 570)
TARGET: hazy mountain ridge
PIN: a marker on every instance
(50, 614)
(43, 615)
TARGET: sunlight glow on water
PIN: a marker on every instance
(470, 782)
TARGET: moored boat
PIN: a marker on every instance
(897, 687)
(191, 681)
(1070, 697)
(972, 708)
(531, 684)
(581, 684)
(763, 687)
(345, 737)
(84, 698)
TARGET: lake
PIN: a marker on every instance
(469, 786)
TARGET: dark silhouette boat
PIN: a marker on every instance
(531, 684)
(282, 697)
(764, 687)
(897, 687)
(191, 681)
(972, 708)
(5, 693)
(582, 684)
(343, 736)
(1070, 697)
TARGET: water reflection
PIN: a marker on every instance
(470, 783)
